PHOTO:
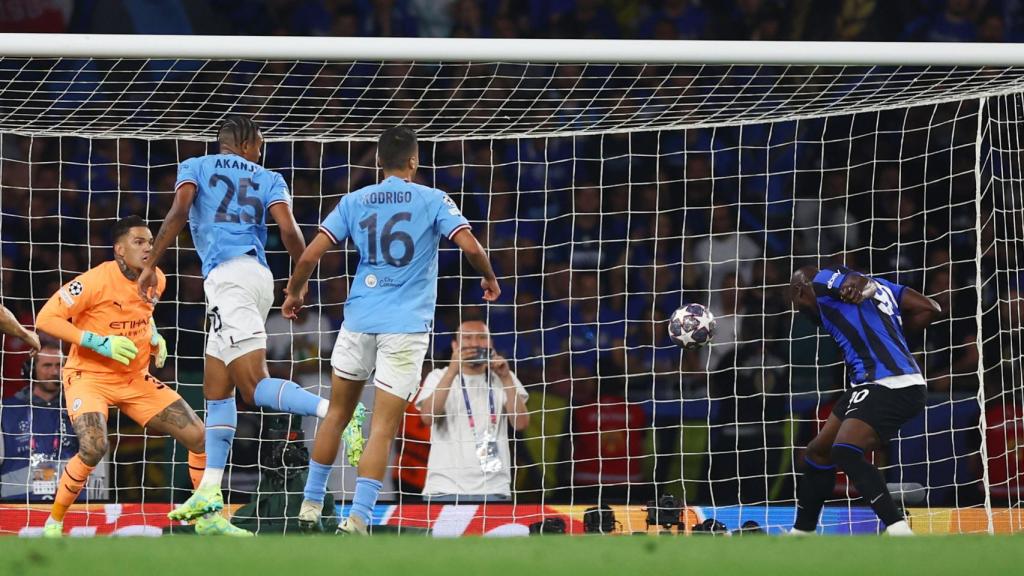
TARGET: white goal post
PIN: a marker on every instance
(611, 181)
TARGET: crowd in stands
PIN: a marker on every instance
(845, 20)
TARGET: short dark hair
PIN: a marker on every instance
(395, 147)
(237, 129)
(124, 225)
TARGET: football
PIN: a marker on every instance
(691, 326)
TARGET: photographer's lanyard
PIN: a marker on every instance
(490, 403)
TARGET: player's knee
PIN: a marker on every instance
(819, 453)
(93, 451)
(846, 455)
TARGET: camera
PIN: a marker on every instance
(664, 512)
(476, 356)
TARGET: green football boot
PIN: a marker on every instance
(217, 525)
(202, 502)
(353, 435)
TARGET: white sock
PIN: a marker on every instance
(50, 520)
(900, 528)
(321, 408)
(211, 477)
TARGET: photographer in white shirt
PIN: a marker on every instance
(469, 406)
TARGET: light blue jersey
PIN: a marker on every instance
(396, 226)
(228, 217)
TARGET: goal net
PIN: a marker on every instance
(609, 191)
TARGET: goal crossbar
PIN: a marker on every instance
(712, 52)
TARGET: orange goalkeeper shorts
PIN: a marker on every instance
(139, 396)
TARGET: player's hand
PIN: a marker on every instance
(147, 284)
(32, 339)
(500, 366)
(292, 306)
(491, 289)
(159, 350)
(117, 348)
(856, 289)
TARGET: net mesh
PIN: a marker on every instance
(607, 196)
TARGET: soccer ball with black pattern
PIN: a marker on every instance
(691, 326)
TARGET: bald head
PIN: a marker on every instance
(803, 275)
(473, 334)
(801, 293)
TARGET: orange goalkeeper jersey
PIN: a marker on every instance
(106, 303)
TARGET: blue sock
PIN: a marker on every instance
(316, 482)
(221, 420)
(286, 396)
(367, 490)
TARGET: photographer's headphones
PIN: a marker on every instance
(28, 368)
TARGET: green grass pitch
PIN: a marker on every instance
(534, 556)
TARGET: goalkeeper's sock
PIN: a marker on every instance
(287, 396)
(221, 421)
(72, 479)
(316, 481)
(196, 467)
(367, 490)
(816, 485)
(868, 480)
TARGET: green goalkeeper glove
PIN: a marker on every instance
(160, 352)
(117, 348)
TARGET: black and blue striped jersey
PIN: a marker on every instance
(870, 334)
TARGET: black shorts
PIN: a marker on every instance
(884, 409)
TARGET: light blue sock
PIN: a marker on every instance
(221, 421)
(367, 490)
(316, 482)
(287, 396)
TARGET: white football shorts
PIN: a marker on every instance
(239, 294)
(394, 359)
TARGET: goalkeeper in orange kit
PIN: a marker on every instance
(112, 335)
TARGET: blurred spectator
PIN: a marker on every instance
(49, 16)
(675, 20)
(956, 23)
(37, 436)
(725, 251)
(470, 406)
(605, 447)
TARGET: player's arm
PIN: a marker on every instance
(298, 284)
(477, 257)
(433, 405)
(9, 325)
(55, 319)
(175, 220)
(292, 238)
(918, 311)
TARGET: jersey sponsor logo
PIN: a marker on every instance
(235, 163)
(832, 280)
(388, 197)
(129, 324)
(370, 281)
